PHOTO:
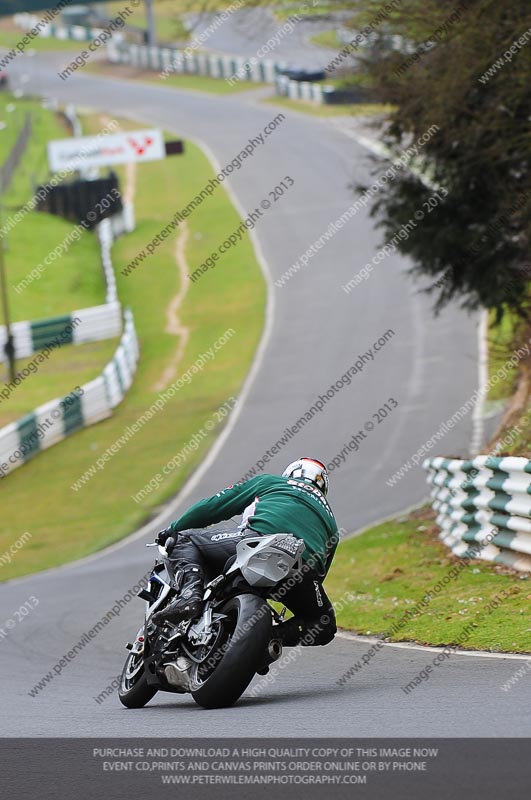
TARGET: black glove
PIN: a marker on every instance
(163, 536)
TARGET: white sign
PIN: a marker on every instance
(102, 151)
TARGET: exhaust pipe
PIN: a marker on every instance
(274, 651)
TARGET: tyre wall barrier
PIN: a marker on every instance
(170, 60)
(484, 506)
(78, 33)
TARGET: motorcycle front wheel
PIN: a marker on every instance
(226, 670)
(134, 691)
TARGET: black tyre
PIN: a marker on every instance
(134, 691)
(241, 646)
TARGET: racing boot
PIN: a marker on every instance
(189, 602)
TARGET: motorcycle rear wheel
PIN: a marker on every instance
(243, 646)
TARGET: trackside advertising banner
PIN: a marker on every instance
(96, 151)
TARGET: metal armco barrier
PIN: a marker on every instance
(170, 60)
(54, 421)
(484, 507)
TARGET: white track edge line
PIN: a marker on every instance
(353, 637)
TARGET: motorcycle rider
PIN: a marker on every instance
(292, 503)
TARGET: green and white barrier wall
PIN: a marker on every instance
(119, 223)
(484, 507)
(170, 60)
(107, 231)
(85, 405)
(85, 325)
(78, 33)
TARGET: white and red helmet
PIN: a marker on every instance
(309, 469)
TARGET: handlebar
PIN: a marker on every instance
(166, 548)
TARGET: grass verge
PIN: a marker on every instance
(11, 35)
(74, 280)
(67, 367)
(169, 25)
(197, 83)
(500, 341)
(304, 9)
(317, 110)
(515, 440)
(33, 166)
(65, 524)
(328, 39)
(390, 568)
(512, 391)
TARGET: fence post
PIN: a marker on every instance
(11, 162)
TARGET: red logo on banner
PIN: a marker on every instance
(140, 149)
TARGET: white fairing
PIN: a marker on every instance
(266, 560)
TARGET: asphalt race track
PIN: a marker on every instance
(247, 29)
(315, 332)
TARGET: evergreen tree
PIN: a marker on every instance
(455, 68)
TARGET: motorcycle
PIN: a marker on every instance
(215, 656)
